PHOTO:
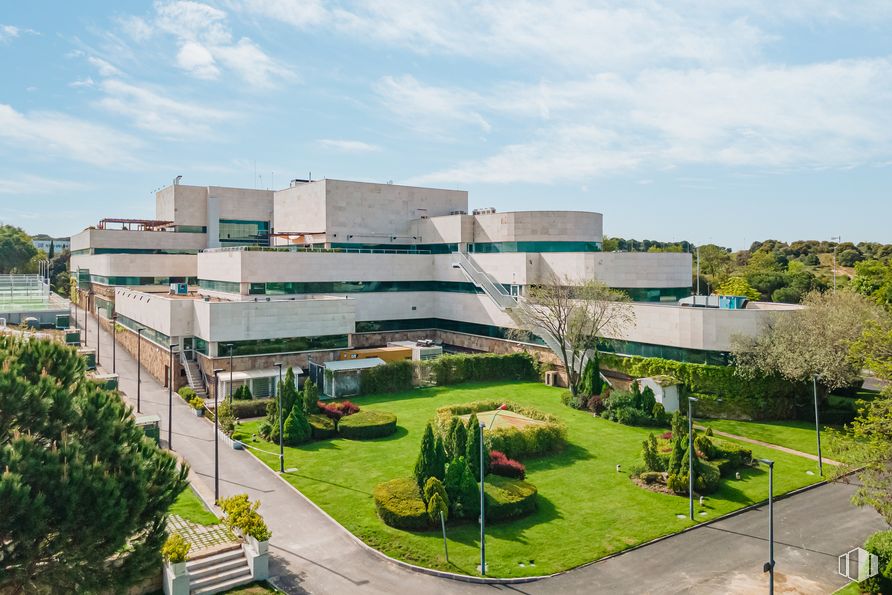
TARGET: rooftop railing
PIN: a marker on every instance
(317, 250)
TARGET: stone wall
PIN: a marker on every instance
(155, 359)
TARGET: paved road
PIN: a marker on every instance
(312, 554)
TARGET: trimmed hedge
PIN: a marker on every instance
(367, 424)
(392, 377)
(321, 427)
(508, 498)
(737, 456)
(399, 504)
(459, 368)
(530, 441)
(252, 408)
(758, 398)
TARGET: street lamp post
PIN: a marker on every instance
(698, 270)
(86, 311)
(691, 458)
(114, 326)
(482, 513)
(98, 338)
(216, 436)
(170, 398)
(281, 442)
(138, 366)
(769, 566)
(230, 373)
(814, 382)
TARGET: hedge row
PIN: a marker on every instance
(508, 498)
(517, 443)
(392, 377)
(251, 408)
(758, 398)
(399, 504)
(321, 426)
(459, 368)
(367, 424)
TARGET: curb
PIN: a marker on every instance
(529, 579)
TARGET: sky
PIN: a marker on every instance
(715, 122)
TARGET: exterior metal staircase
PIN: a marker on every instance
(515, 307)
(193, 376)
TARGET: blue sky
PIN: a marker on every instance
(721, 122)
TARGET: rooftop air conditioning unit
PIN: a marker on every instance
(458, 212)
(179, 289)
(485, 211)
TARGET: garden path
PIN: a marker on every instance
(798, 453)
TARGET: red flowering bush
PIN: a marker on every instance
(335, 411)
(499, 464)
(666, 435)
(596, 405)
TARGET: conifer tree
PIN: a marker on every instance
(297, 429)
(310, 397)
(439, 458)
(458, 439)
(83, 493)
(426, 465)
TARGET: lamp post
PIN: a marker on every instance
(170, 398)
(814, 382)
(216, 436)
(230, 373)
(98, 338)
(698, 270)
(114, 326)
(138, 365)
(482, 513)
(86, 311)
(281, 443)
(691, 458)
(835, 239)
(769, 566)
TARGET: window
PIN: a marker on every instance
(289, 345)
(491, 247)
(236, 232)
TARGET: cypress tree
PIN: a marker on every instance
(310, 397)
(439, 458)
(426, 465)
(459, 439)
(297, 429)
(449, 442)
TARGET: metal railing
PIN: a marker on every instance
(314, 250)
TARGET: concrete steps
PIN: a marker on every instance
(218, 572)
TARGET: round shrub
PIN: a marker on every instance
(708, 477)
(321, 427)
(399, 504)
(367, 424)
(186, 393)
(499, 464)
(508, 498)
(651, 477)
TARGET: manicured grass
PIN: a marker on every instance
(798, 435)
(850, 589)
(259, 588)
(586, 509)
(189, 506)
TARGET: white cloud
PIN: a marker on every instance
(348, 146)
(82, 83)
(431, 109)
(104, 67)
(29, 184)
(157, 113)
(10, 32)
(812, 116)
(53, 133)
(205, 43)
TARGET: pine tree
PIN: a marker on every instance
(439, 458)
(297, 429)
(650, 455)
(472, 448)
(310, 397)
(289, 391)
(80, 484)
(459, 439)
(462, 489)
(676, 459)
(426, 465)
(449, 442)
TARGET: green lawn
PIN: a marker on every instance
(189, 506)
(586, 509)
(798, 435)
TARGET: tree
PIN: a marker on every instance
(874, 280)
(297, 429)
(715, 262)
(651, 456)
(52, 251)
(16, 249)
(459, 438)
(437, 505)
(590, 383)
(440, 458)
(472, 448)
(811, 342)
(870, 451)
(289, 390)
(462, 488)
(311, 397)
(738, 286)
(427, 465)
(289, 396)
(576, 315)
(83, 493)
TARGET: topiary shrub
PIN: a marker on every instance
(499, 464)
(367, 424)
(880, 543)
(399, 504)
(321, 427)
(463, 490)
(704, 446)
(434, 486)
(737, 456)
(507, 498)
(175, 549)
(252, 408)
(708, 477)
(297, 428)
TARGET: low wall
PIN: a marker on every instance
(155, 359)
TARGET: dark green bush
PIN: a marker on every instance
(707, 478)
(880, 543)
(462, 488)
(252, 408)
(760, 398)
(633, 408)
(321, 426)
(838, 416)
(726, 467)
(367, 424)
(392, 377)
(458, 368)
(186, 393)
(242, 393)
(508, 498)
(737, 456)
(399, 504)
(651, 477)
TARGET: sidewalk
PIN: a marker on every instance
(778, 447)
